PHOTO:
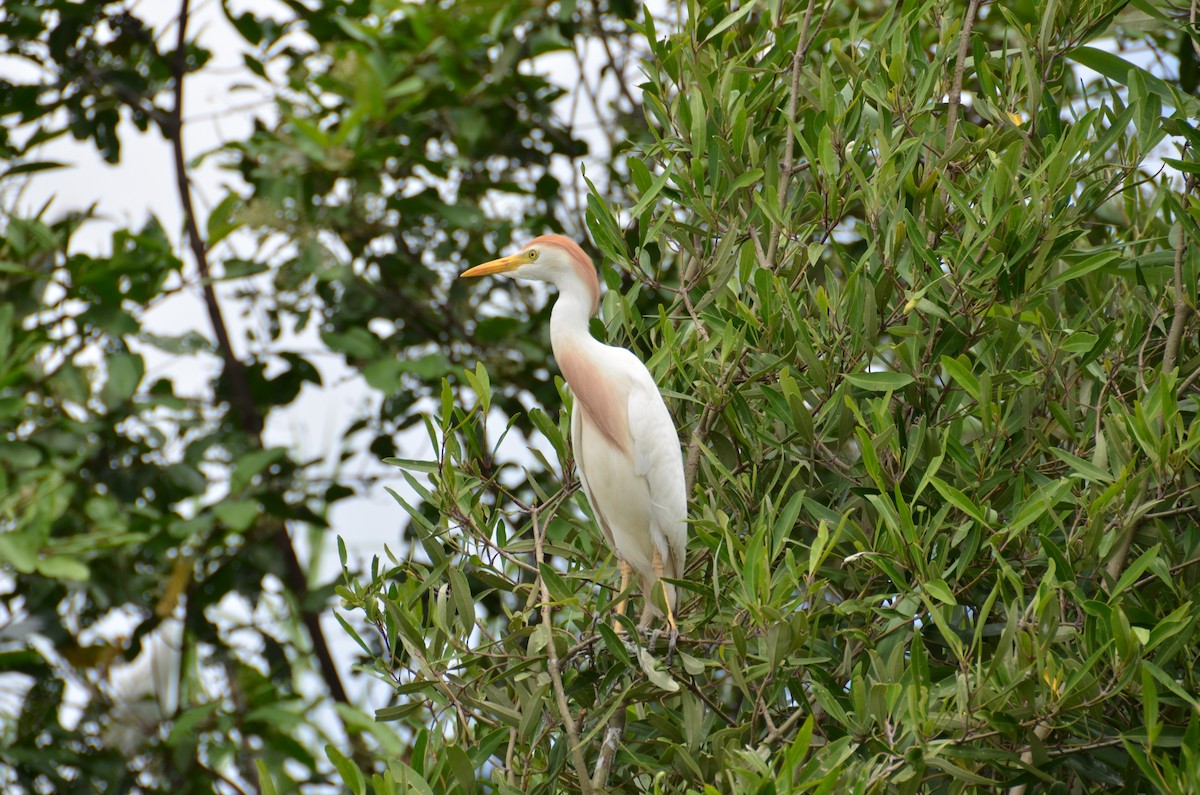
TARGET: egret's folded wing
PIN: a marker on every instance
(657, 458)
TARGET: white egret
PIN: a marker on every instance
(626, 446)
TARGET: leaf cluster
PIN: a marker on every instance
(946, 463)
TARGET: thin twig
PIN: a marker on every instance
(698, 438)
(618, 73)
(960, 66)
(707, 417)
(1183, 312)
(560, 695)
(1187, 382)
(1174, 570)
(1116, 564)
(789, 152)
(685, 293)
(510, 774)
(777, 734)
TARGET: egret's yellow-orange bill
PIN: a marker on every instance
(511, 262)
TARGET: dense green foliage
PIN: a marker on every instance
(919, 290)
(936, 359)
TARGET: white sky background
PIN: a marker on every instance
(221, 103)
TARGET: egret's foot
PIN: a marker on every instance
(672, 639)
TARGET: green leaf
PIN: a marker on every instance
(266, 786)
(251, 465)
(1134, 571)
(1167, 681)
(730, 20)
(58, 567)
(1118, 70)
(408, 779)
(221, 219)
(31, 167)
(958, 499)
(555, 584)
(237, 515)
(383, 375)
(880, 381)
(751, 177)
(19, 455)
(462, 768)
(358, 343)
(614, 644)
(464, 601)
(938, 589)
(1186, 166)
(1086, 470)
(1150, 705)
(125, 372)
(654, 672)
(661, 180)
(428, 467)
(1081, 269)
(962, 375)
(353, 633)
(352, 777)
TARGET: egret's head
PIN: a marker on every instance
(549, 258)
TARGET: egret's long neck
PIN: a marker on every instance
(569, 318)
(581, 359)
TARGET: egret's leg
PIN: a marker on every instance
(626, 575)
(658, 572)
(673, 635)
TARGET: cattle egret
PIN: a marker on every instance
(626, 446)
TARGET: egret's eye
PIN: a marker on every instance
(533, 253)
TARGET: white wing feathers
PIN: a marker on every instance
(657, 458)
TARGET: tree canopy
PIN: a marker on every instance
(917, 280)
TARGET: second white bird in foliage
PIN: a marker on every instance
(626, 446)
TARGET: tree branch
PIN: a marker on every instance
(698, 438)
(608, 747)
(552, 665)
(1183, 312)
(242, 400)
(960, 66)
(789, 152)
(1116, 564)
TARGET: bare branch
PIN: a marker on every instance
(608, 748)
(552, 664)
(802, 45)
(1182, 312)
(960, 65)
(698, 438)
(242, 400)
